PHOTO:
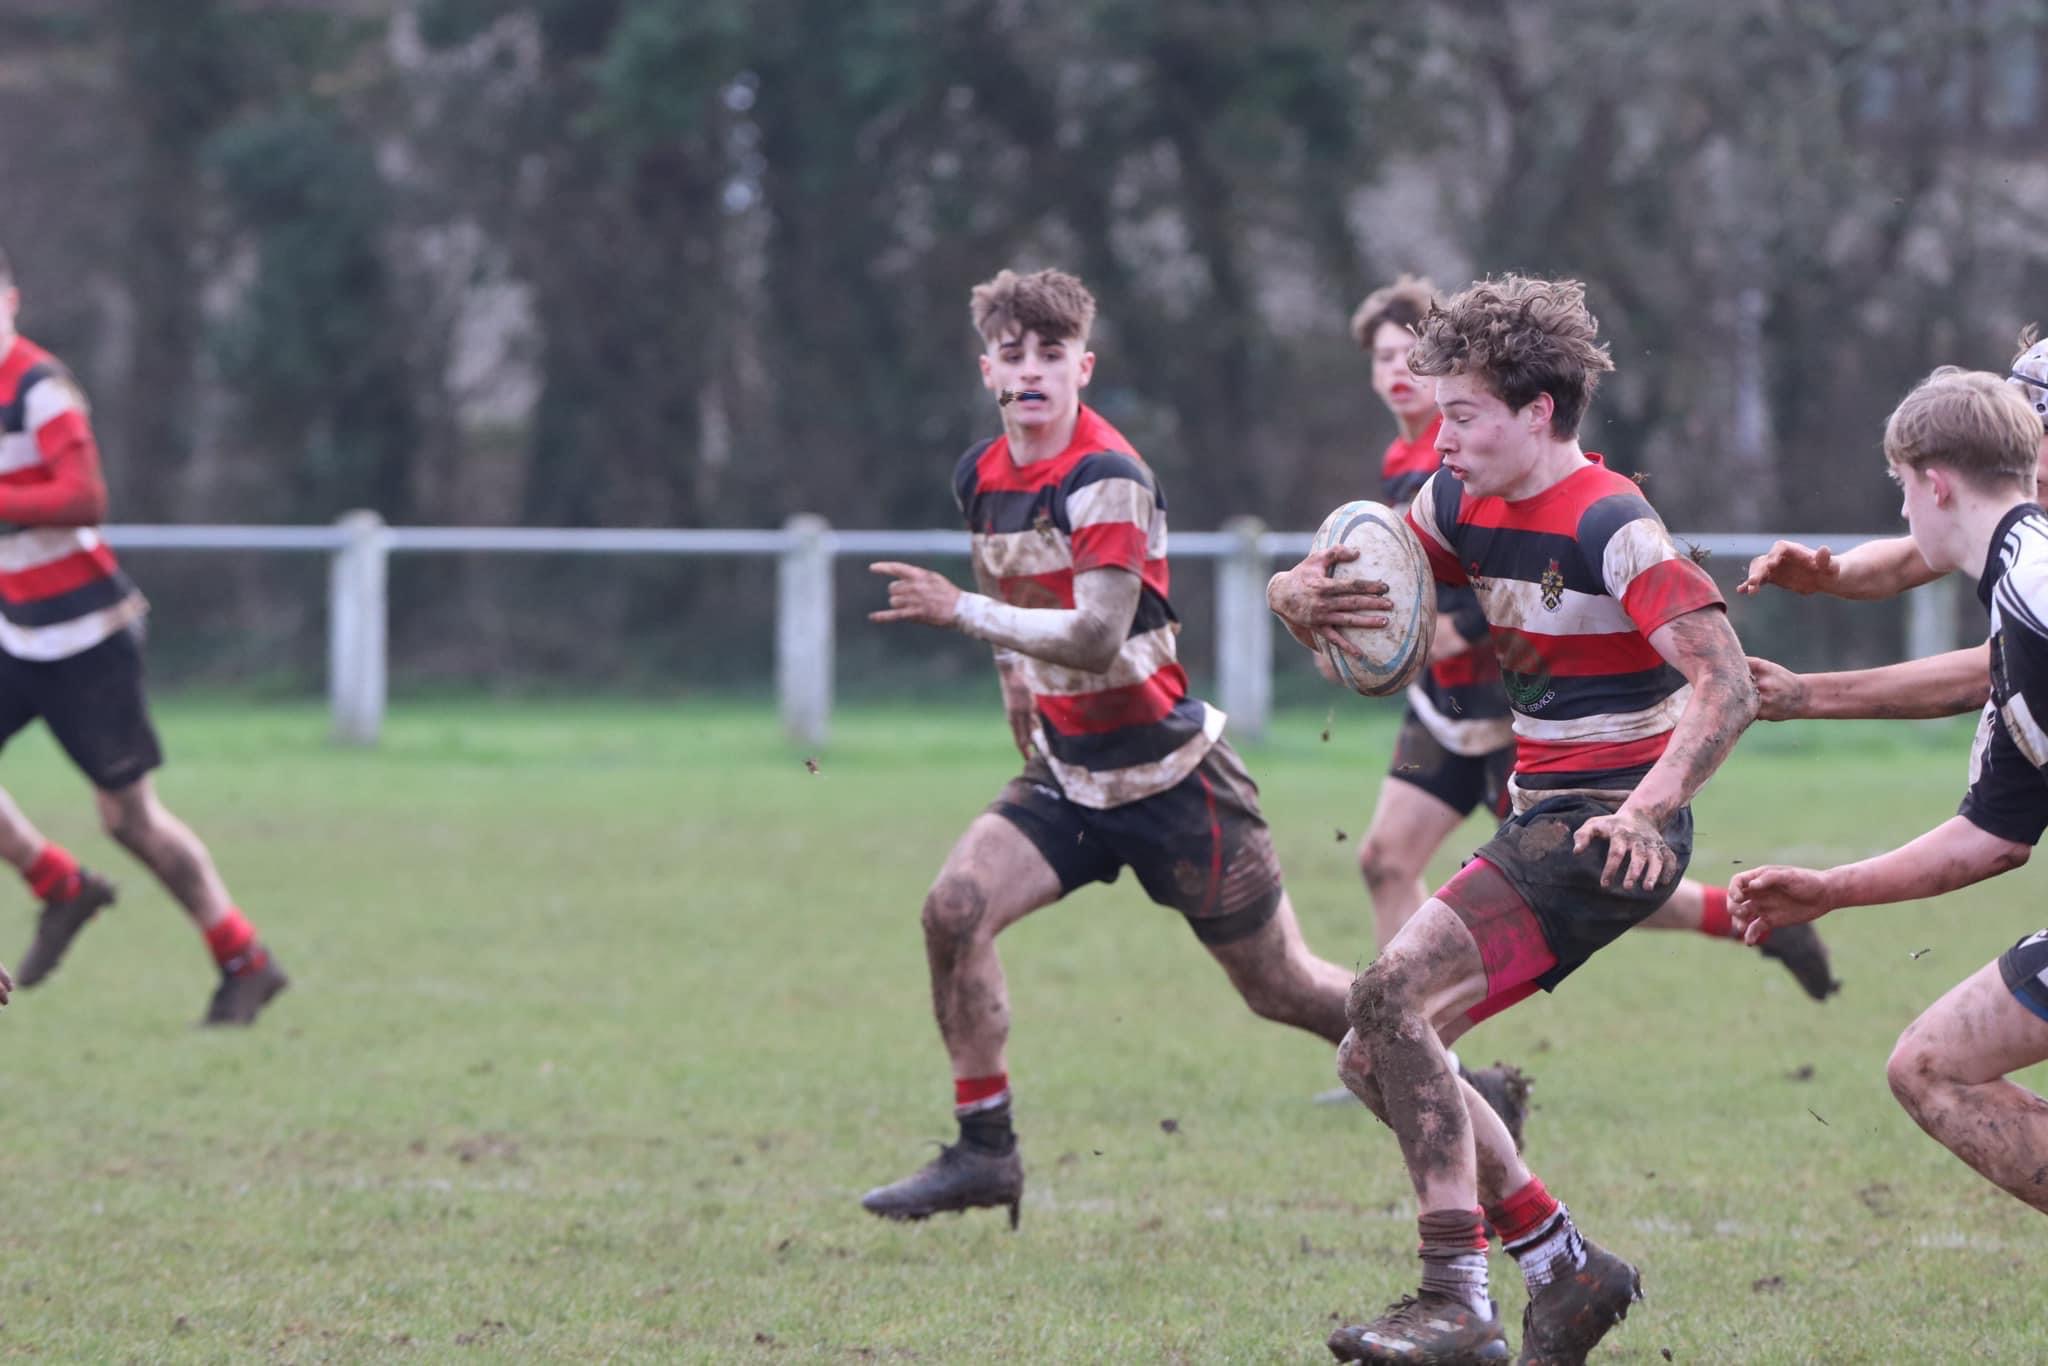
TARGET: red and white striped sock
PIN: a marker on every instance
(1539, 1233)
(982, 1105)
(1454, 1257)
(54, 874)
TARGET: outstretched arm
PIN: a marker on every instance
(1939, 685)
(1086, 636)
(1875, 569)
(1702, 646)
(1954, 854)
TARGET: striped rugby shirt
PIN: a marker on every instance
(2008, 794)
(1459, 700)
(61, 591)
(1573, 581)
(1132, 732)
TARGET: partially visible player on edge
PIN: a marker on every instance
(1963, 446)
(1121, 766)
(70, 653)
(1629, 689)
(1456, 746)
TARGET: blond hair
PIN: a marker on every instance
(1968, 421)
(1052, 303)
(1520, 337)
(1403, 303)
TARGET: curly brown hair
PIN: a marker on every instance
(1404, 303)
(1521, 336)
(1052, 303)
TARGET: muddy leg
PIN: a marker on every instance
(1282, 981)
(993, 878)
(1949, 1071)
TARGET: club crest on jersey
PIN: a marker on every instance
(1042, 523)
(1552, 584)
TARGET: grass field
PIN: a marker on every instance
(604, 1017)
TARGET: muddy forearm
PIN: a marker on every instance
(1703, 647)
(1949, 684)
(1086, 637)
(1954, 854)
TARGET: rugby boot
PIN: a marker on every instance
(59, 922)
(1567, 1317)
(1800, 949)
(241, 996)
(1506, 1089)
(961, 1177)
(1424, 1330)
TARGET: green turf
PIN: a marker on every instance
(604, 1017)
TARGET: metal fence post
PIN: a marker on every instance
(1244, 632)
(356, 684)
(803, 630)
(1931, 619)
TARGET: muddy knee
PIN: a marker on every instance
(1381, 998)
(1354, 1070)
(1913, 1071)
(955, 910)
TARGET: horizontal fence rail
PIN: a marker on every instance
(359, 546)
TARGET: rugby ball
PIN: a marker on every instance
(1388, 552)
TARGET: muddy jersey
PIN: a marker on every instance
(61, 591)
(2008, 794)
(1131, 731)
(1572, 581)
(1459, 700)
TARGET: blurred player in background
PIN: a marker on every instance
(1456, 746)
(1964, 448)
(71, 654)
(1121, 766)
(1629, 689)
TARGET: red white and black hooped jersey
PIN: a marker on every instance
(1573, 581)
(1458, 699)
(1133, 731)
(61, 591)
(2008, 794)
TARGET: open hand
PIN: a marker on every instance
(1794, 567)
(1763, 899)
(1313, 605)
(916, 594)
(1637, 856)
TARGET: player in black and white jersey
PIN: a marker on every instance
(1963, 447)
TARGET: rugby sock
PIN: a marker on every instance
(1454, 1257)
(234, 945)
(1539, 1233)
(1715, 922)
(982, 1105)
(54, 874)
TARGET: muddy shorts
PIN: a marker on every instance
(1200, 847)
(1463, 782)
(2024, 967)
(93, 704)
(1538, 910)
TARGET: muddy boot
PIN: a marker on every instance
(241, 996)
(1424, 1330)
(58, 923)
(1506, 1090)
(1567, 1317)
(961, 1177)
(1800, 949)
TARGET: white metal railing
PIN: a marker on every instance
(360, 545)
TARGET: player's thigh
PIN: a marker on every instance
(1409, 824)
(1435, 966)
(1202, 848)
(1982, 1028)
(999, 867)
